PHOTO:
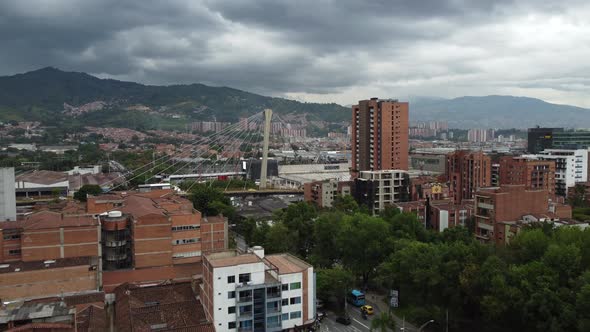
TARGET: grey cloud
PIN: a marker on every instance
(313, 48)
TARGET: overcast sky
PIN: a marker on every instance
(313, 50)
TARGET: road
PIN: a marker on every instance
(359, 324)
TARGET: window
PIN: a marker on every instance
(285, 302)
(186, 241)
(296, 314)
(285, 287)
(244, 277)
(185, 228)
(231, 310)
(187, 254)
(231, 325)
(295, 300)
(273, 321)
(285, 317)
(14, 252)
(231, 294)
(12, 237)
(231, 279)
(295, 285)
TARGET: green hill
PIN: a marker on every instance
(40, 95)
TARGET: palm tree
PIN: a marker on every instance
(383, 322)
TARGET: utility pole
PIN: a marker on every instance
(267, 118)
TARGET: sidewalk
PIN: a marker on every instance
(381, 302)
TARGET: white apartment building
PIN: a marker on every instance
(258, 293)
(7, 195)
(380, 189)
(571, 167)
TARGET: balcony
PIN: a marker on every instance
(245, 299)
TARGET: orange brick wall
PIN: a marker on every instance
(49, 282)
(46, 244)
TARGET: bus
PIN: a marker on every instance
(356, 298)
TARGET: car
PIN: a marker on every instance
(367, 309)
(344, 320)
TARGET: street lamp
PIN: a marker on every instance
(424, 325)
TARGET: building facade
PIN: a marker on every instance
(533, 174)
(254, 292)
(380, 189)
(540, 139)
(379, 135)
(571, 167)
(323, 193)
(493, 205)
(7, 195)
(467, 172)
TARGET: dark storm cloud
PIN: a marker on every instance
(304, 48)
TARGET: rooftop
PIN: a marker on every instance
(231, 258)
(173, 307)
(18, 311)
(287, 263)
(16, 267)
(43, 177)
(50, 220)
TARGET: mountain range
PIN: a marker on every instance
(52, 96)
(49, 95)
(498, 112)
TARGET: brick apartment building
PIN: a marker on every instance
(533, 174)
(467, 172)
(49, 235)
(509, 203)
(153, 236)
(439, 215)
(379, 135)
(136, 237)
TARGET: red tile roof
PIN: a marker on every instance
(92, 318)
(171, 307)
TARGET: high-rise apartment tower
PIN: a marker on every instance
(379, 135)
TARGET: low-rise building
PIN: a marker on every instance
(173, 307)
(42, 183)
(254, 292)
(44, 278)
(571, 167)
(323, 193)
(510, 203)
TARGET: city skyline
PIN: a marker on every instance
(314, 51)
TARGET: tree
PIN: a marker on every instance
(578, 197)
(87, 189)
(383, 322)
(202, 196)
(333, 284)
(299, 219)
(325, 229)
(364, 243)
(345, 204)
(279, 239)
